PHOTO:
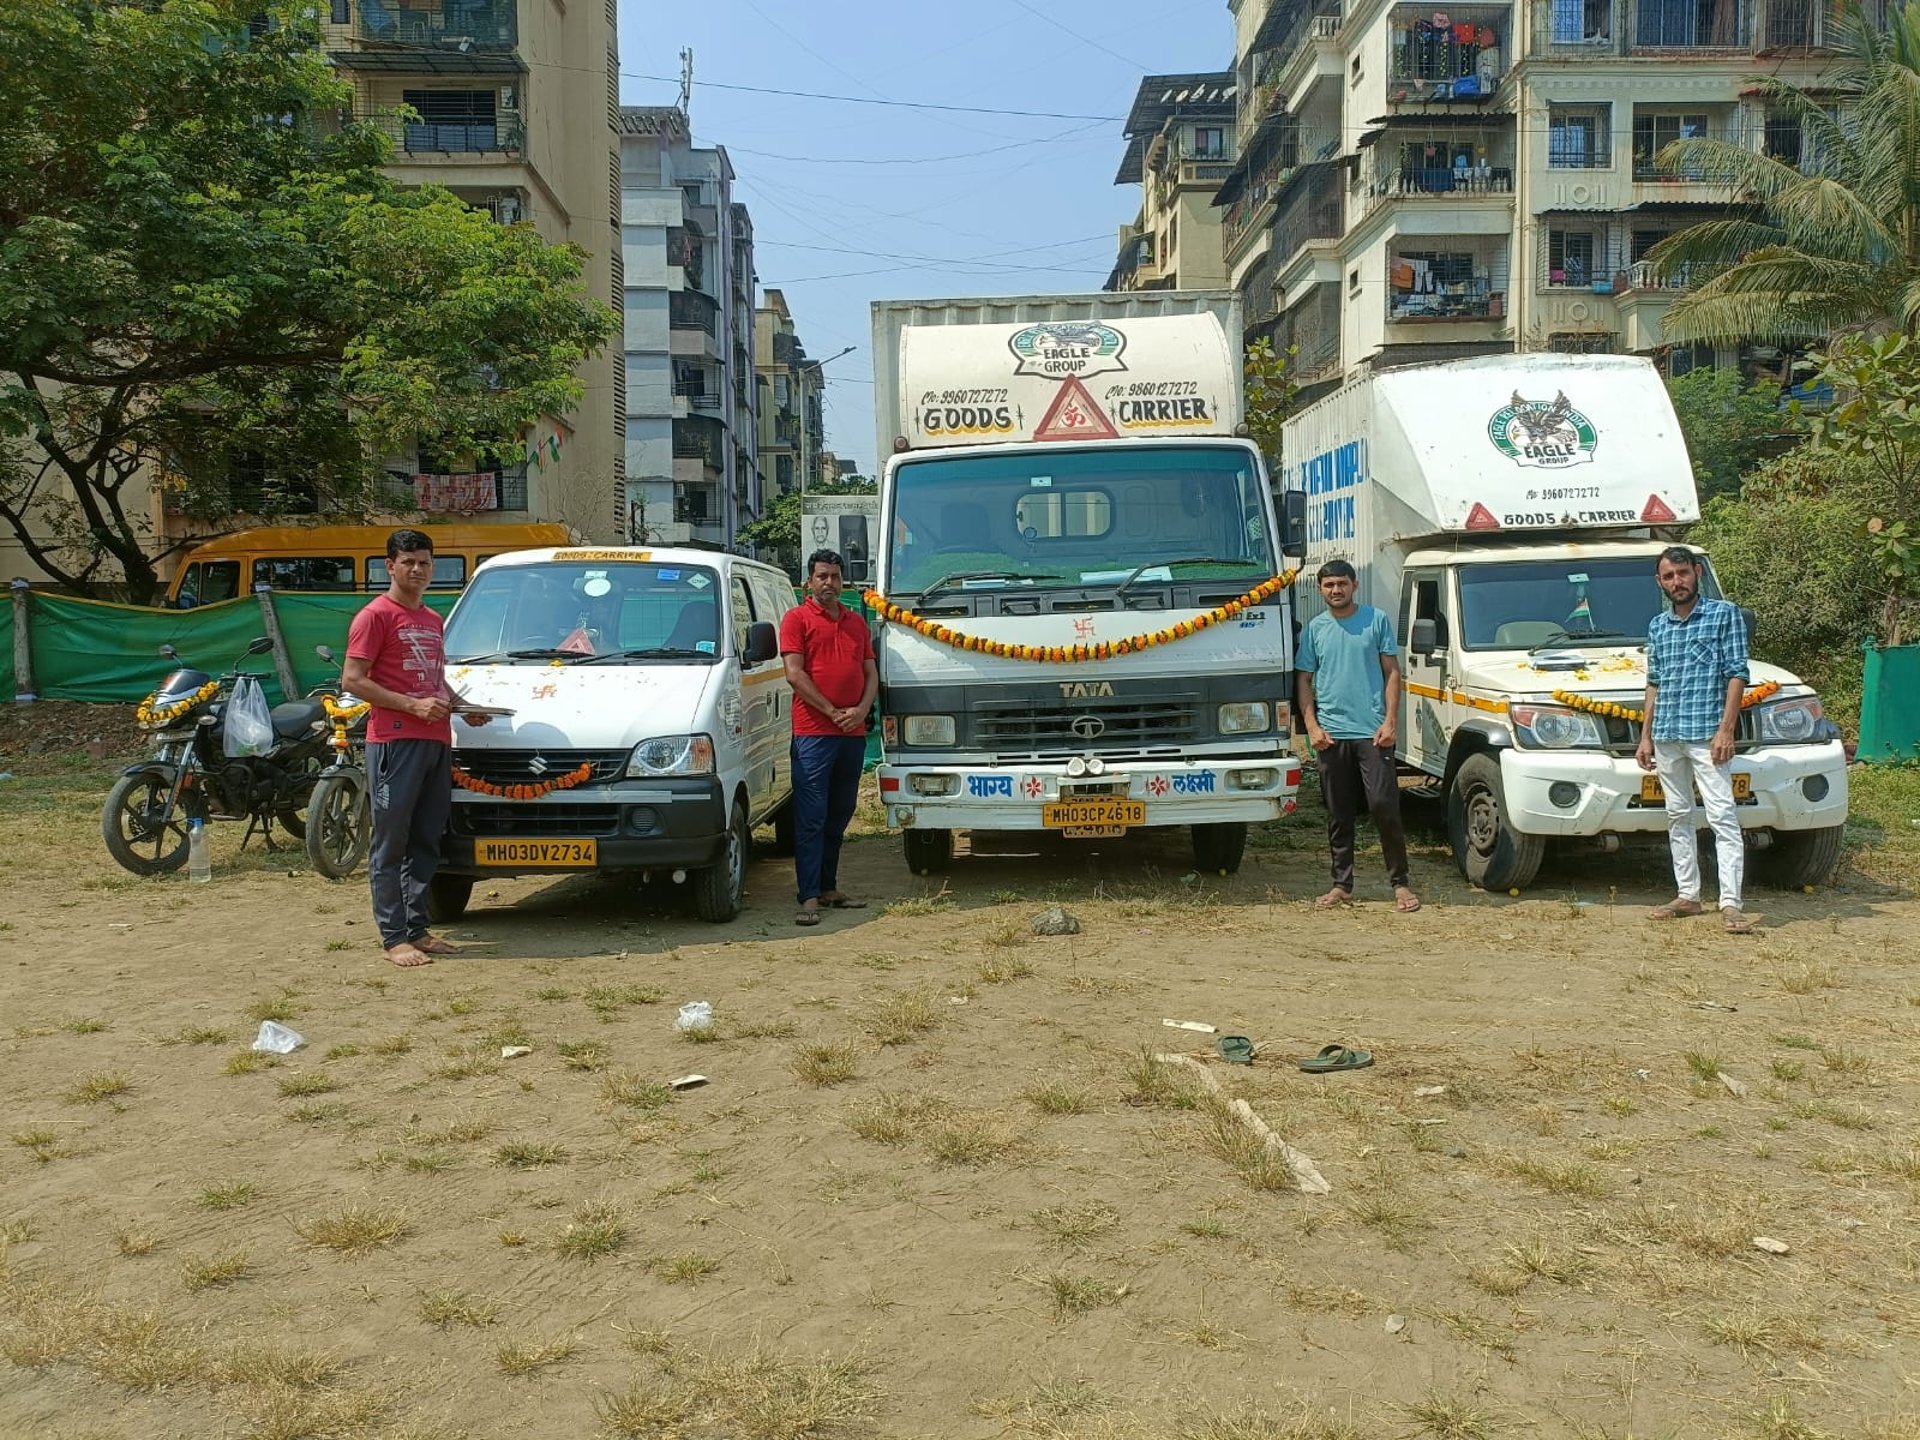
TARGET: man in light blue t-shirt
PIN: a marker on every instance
(1349, 701)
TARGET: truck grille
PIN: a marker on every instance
(1041, 727)
(1623, 736)
(516, 767)
(506, 818)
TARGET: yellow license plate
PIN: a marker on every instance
(1078, 814)
(1651, 792)
(1093, 832)
(538, 854)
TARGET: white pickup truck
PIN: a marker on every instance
(1508, 513)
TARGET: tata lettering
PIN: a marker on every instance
(1085, 689)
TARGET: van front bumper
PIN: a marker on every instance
(1017, 796)
(1584, 792)
(638, 825)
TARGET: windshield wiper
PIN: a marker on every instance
(1121, 588)
(652, 652)
(947, 582)
(1560, 637)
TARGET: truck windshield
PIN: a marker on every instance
(1071, 518)
(1518, 604)
(535, 614)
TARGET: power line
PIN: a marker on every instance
(996, 256)
(1077, 135)
(866, 100)
(1086, 40)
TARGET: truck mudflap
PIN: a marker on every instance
(1576, 792)
(1122, 795)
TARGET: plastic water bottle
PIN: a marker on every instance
(199, 862)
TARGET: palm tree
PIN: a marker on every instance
(1826, 246)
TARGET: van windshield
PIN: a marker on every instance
(1075, 518)
(533, 614)
(1518, 604)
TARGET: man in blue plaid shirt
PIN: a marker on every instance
(1696, 674)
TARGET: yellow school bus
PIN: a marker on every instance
(338, 558)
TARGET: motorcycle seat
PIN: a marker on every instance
(296, 718)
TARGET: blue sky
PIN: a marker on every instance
(934, 216)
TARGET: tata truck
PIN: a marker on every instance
(1084, 630)
(1508, 513)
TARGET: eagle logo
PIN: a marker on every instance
(1543, 434)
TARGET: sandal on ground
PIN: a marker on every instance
(1405, 901)
(1736, 923)
(1334, 899)
(1335, 1057)
(434, 945)
(804, 916)
(1677, 910)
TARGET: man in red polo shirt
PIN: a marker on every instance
(829, 659)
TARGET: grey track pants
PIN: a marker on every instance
(412, 787)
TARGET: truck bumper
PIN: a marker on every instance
(1796, 787)
(1198, 792)
(658, 825)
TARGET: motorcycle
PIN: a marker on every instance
(340, 812)
(190, 776)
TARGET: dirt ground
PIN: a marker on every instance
(935, 1184)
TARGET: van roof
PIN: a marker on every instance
(630, 554)
(355, 538)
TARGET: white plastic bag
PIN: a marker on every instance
(278, 1038)
(694, 1015)
(248, 728)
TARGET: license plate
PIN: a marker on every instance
(1093, 832)
(538, 854)
(1652, 794)
(1079, 814)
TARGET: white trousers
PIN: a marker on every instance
(1682, 765)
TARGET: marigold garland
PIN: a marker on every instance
(1626, 712)
(344, 714)
(529, 790)
(155, 719)
(1073, 654)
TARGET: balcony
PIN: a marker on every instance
(460, 26)
(1454, 279)
(1138, 267)
(1311, 329)
(786, 349)
(684, 248)
(1690, 25)
(1460, 62)
(1574, 29)
(504, 134)
(691, 310)
(1415, 181)
(463, 494)
(1309, 209)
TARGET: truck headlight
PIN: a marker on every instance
(1244, 717)
(1790, 722)
(1554, 727)
(667, 755)
(927, 729)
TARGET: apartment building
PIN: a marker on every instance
(1417, 183)
(509, 113)
(692, 406)
(792, 429)
(1180, 147)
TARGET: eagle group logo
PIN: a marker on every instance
(1546, 436)
(1067, 348)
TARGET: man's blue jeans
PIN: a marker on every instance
(826, 788)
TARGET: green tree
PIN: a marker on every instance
(776, 534)
(1730, 425)
(1833, 243)
(197, 270)
(1270, 393)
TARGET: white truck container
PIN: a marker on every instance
(1073, 529)
(1508, 512)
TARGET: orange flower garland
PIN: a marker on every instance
(157, 717)
(1073, 654)
(530, 790)
(1626, 712)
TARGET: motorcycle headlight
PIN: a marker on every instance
(1554, 727)
(1246, 717)
(927, 729)
(667, 755)
(1790, 722)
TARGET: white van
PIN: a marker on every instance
(650, 725)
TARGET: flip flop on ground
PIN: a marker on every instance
(807, 915)
(1736, 923)
(434, 945)
(1404, 900)
(1677, 909)
(1334, 899)
(1335, 1057)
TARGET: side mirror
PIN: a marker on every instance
(168, 652)
(260, 646)
(763, 643)
(1425, 638)
(1293, 524)
(325, 652)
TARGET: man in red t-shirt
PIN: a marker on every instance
(829, 659)
(396, 660)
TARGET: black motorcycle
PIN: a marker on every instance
(191, 777)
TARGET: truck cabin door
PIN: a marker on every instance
(1426, 711)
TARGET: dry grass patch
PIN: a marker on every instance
(902, 1017)
(1071, 1294)
(1449, 1417)
(355, 1230)
(1004, 969)
(530, 1154)
(760, 1396)
(317, 1083)
(1751, 1330)
(1076, 1226)
(42, 1142)
(521, 1358)
(823, 1066)
(219, 1270)
(444, 1309)
(391, 1045)
(1249, 1156)
(1556, 1177)
(134, 1243)
(246, 1062)
(581, 1054)
(197, 1035)
(295, 1412)
(280, 1009)
(1055, 1098)
(231, 1196)
(971, 1137)
(687, 1268)
(1148, 1082)
(625, 1087)
(892, 1116)
(595, 1232)
(141, 1351)
(1008, 937)
(268, 1366)
(103, 1085)
(610, 1001)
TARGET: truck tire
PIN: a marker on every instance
(1798, 858)
(720, 889)
(1218, 849)
(1488, 850)
(929, 852)
(447, 897)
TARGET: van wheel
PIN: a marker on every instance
(1486, 847)
(447, 897)
(1798, 858)
(720, 889)
(1217, 849)
(929, 852)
